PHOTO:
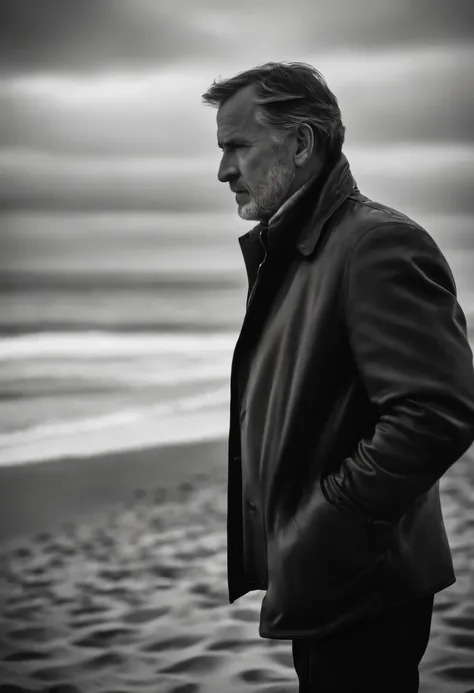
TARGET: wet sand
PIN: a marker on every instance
(113, 580)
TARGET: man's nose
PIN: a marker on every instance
(227, 169)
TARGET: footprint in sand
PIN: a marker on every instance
(169, 571)
(64, 548)
(32, 583)
(89, 609)
(185, 556)
(459, 673)
(22, 552)
(106, 637)
(282, 657)
(144, 615)
(465, 623)
(462, 640)
(441, 607)
(38, 570)
(177, 643)
(54, 673)
(198, 664)
(57, 563)
(111, 590)
(35, 634)
(248, 615)
(205, 552)
(233, 645)
(104, 660)
(115, 573)
(21, 613)
(209, 590)
(42, 537)
(258, 676)
(186, 688)
(26, 656)
(17, 600)
(86, 622)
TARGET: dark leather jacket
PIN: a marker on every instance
(352, 393)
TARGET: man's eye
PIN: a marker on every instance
(231, 147)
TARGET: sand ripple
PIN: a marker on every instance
(137, 601)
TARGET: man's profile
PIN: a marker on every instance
(352, 393)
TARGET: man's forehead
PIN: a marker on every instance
(237, 114)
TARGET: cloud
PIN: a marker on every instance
(416, 177)
(121, 242)
(412, 177)
(65, 35)
(374, 24)
(421, 94)
(158, 112)
(414, 95)
(30, 180)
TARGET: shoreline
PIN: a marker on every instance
(124, 431)
(41, 496)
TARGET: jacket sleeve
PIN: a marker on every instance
(408, 338)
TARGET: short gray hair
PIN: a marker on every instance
(288, 94)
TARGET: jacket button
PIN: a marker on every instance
(237, 458)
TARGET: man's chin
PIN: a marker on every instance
(248, 212)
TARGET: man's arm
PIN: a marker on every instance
(408, 338)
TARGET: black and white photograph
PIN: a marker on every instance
(236, 346)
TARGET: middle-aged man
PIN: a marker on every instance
(352, 393)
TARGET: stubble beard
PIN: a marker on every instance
(268, 197)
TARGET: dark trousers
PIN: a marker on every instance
(379, 654)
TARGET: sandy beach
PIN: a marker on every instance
(113, 580)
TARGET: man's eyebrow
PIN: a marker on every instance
(229, 142)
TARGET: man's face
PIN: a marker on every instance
(259, 171)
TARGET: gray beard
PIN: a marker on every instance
(269, 196)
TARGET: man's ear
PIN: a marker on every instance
(304, 144)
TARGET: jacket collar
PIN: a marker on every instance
(310, 209)
(293, 199)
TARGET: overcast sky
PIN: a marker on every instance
(101, 99)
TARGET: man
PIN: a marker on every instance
(352, 393)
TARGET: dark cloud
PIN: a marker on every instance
(428, 100)
(425, 178)
(420, 96)
(64, 35)
(29, 181)
(372, 24)
(102, 34)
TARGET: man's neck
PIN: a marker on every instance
(290, 201)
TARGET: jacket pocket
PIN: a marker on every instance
(322, 554)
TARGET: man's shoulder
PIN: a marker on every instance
(361, 217)
(367, 214)
(372, 228)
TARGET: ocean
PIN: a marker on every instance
(117, 331)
